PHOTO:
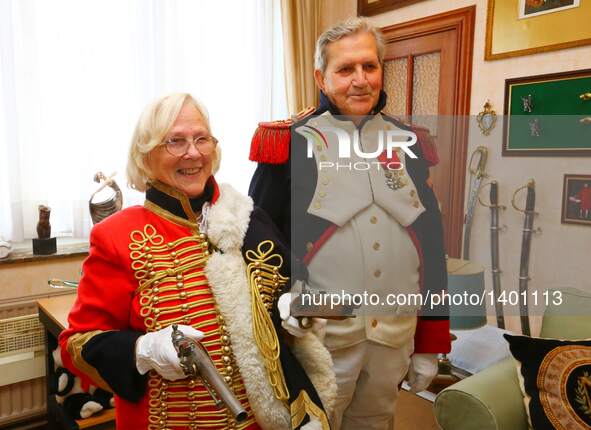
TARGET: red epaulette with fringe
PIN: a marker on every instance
(270, 142)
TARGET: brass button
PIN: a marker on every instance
(373, 220)
(322, 194)
(376, 246)
(413, 193)
(317, 205)
(374, 323)
(325, 181)
(309, 246)
(415, 204)
(377, 273)
(323, 157)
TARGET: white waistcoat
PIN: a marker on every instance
(371, 252)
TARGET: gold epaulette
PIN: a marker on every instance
(270, 142)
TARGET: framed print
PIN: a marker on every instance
(373, 7)
(523, 27)
(576, 200)
(529, 8)
(548, 115)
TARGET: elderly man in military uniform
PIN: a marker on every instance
(364, 220)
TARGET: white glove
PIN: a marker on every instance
(155, 350)
(291, 324)
(423, 368)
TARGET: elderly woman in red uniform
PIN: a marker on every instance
(200, 256)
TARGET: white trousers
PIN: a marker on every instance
(367, 376)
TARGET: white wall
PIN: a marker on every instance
(561, 254)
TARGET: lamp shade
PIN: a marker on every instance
(465, 285)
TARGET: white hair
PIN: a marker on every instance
(344, 29)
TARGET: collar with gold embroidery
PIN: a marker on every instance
(177, 204)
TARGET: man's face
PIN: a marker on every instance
(353, 77)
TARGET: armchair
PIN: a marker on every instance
(491, 399)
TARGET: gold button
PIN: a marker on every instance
(374, 323)
(376, 245)
(323, 158)
(377, 273)
(413, 193)
(309, 246)
(373, 220)
(325, 181)
(317, 205)
(415, 204)
(322, 194)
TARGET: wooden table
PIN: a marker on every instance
(53, 314)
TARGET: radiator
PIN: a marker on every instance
(22, 366)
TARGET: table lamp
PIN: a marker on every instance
(465, 279)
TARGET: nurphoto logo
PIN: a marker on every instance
(384, 155)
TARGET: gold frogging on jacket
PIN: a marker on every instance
(172, 284)
(265, 282)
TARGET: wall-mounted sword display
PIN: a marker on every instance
(477, 174)
(494, 249)
(528, 230)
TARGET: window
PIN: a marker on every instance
(75, 75)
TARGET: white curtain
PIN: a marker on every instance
(75, 74)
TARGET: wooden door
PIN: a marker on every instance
(427, 75)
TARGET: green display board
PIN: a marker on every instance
(548, 115)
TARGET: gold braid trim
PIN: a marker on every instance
(265, 281)
(304, 405)
(75, 345)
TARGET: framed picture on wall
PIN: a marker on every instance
(576, 200)
(548, 115)
(373, 7)
(523, 27)
(529, 8)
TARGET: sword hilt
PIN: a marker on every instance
(530, 201)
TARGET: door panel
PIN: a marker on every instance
(427, 78)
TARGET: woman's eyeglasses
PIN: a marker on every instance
(179, 146)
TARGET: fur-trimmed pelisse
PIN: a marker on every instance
(226, 271)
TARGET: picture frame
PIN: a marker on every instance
(576, 200)
(531, 8)
(548, 115)
(512, 32)
(374, 7)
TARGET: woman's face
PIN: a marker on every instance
(187, 173)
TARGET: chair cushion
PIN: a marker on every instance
(568, 315)
(555, 379)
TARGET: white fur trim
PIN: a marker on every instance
(226, 272)
(227, 225)
(318, 365)
(313, 424)
(227, 278)
(228, 219)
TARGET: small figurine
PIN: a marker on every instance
(44, 244)
(527, 103)
(43, 226)
(101, 210)
(534, 128)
